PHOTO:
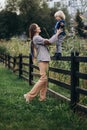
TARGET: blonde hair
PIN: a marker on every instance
(60, 14)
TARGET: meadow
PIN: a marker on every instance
(16, 114)
(15, 46)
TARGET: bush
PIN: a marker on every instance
(3, 50)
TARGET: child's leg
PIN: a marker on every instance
(57, 55)
(59, 44)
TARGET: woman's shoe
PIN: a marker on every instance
(26, 97)
(41, 100)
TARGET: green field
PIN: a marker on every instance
(16, 114)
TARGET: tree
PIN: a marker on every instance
(31, 11)
(83, 6)
(35, 12)
(79, 24)
(12, 5)
(8, 24)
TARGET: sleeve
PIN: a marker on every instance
(38, 40)
(53, 39)
(62, 23)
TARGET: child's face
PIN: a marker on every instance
(57, 18)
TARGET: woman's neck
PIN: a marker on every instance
(36, 34)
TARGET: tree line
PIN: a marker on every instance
(17, 15)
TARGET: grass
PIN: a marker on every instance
(16, 114)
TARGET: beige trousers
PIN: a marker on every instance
(41, 86)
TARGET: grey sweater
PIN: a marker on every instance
(42, 50)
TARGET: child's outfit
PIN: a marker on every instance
(59, 24)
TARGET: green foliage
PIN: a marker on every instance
(80, 24)
(15, 46)
(35, 12)
(3, 49)
(11, 5)
(8, 24)
(16, 114)
(18, 15)
(73, 43)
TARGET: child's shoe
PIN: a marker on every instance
(56, 56)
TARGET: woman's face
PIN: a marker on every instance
(38, 30)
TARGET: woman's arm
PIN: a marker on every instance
(42, 41)
(54, 38)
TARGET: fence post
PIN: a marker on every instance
(9, 61)
(20, 65)
(14, 62)
(77, 78)
(30, 69)
(2, 57)
(74, 80)
(5, 60)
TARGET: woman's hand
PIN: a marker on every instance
(46, 42)
(59, 31)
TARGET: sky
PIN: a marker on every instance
(2, 3)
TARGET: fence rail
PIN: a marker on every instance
(24, 67)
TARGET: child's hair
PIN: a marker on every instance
(60, 14)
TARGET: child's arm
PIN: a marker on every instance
(62, 24)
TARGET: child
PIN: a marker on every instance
(60, 17)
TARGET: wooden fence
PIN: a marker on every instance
(24, 67)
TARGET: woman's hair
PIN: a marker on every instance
(60, 14)
(32, 30)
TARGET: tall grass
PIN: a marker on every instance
(15, 46)
(16, 114)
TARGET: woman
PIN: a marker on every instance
(43, 58)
